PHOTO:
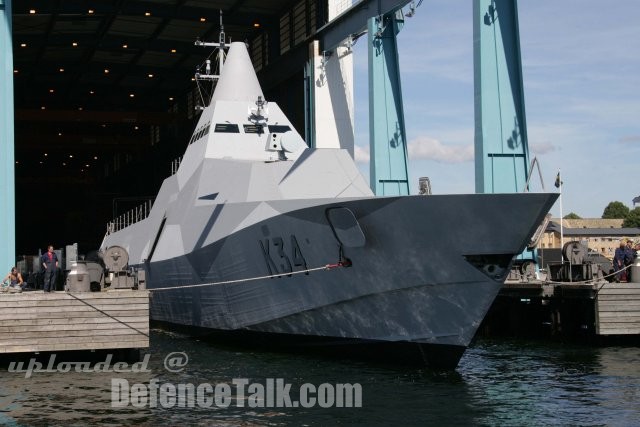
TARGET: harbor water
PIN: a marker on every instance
(498, 382)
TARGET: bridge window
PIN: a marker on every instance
(253, 128)
(226, 128)
(279, 128)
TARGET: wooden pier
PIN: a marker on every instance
(61, 321)
(537, 308)
(618, 309)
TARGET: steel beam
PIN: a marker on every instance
(7, 163)
(132, 117)
(232, 16)
(501, 144)
(354, 21)
(502, 153)
(387, 135)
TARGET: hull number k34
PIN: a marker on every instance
(282, 259)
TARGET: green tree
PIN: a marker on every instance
(572, 215)
(615, 210)
(632, 219)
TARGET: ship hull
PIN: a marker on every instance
(423, 271)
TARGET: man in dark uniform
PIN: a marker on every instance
(50, 262)
(629, 258)
(619, 262)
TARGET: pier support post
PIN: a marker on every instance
(7, 162)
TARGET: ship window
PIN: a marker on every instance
(226, 128)
(279, 128)
(200, 134)
(252, 128)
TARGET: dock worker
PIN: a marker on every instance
(14, 278)
(50, 263)
(630, 257)
(619, 262)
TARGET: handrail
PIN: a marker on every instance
(130, 217)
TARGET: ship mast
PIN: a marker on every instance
(221, 45)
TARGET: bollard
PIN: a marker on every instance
(635, 271)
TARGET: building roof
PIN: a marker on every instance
(590, 223)
(614, 232)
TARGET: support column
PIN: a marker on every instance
(388, 140)
(331, 95)
(7, 162)
(329, 76)
(501, 146)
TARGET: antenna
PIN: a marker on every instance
(221, 45)
(221, 42)
(221, 37)
(208, 69)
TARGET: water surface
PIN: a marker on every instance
(497, 382)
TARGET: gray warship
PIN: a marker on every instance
(258, 236)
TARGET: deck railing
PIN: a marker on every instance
(130, 217)
(175, 164)
(139, 212)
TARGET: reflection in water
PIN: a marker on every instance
(498, 382)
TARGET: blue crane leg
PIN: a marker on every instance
(502, 153)
(388, 140)
(7, 166)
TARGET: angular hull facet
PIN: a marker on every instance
(423, 269)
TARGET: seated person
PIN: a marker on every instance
(14, 278)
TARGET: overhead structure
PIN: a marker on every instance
(7, 175)
(329, 92)
(329, 88)
(387, 134)
(501, 145)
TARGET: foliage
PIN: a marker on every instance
(632, 219)
(572, 215)
(615, 210)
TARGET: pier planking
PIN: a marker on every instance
(618, 309)
(61, 321)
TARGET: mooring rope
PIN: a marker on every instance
(308, 270)
(107, 314)
(251, 279)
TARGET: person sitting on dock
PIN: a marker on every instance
(620, 261)
(13, 279)
(50, 262)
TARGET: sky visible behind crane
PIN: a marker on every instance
(581, 67)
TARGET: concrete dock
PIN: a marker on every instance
(61, 321)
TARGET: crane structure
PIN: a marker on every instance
(501, 146)
(7, 157)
